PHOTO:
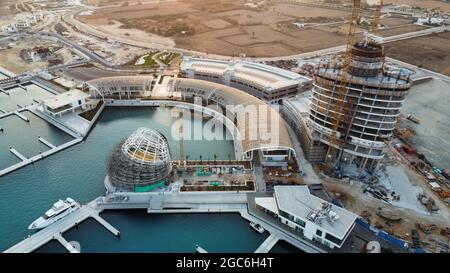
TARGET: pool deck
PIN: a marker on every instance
(198, 202)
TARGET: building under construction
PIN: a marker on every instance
(141, 163)
(367, 114)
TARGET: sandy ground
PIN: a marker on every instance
(353, 200)
(10, 59)
(399, 30)
(395, 21)
(444, 6)
(430, 52)
(120, 54)
(430, 103)
(408, 190)
(228, 28)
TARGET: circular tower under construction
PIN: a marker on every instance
(140, 163)
(369, 110)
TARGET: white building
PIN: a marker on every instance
(268, 83)
(11, 28)
(315, 218)
(65, 102)
(433, 21)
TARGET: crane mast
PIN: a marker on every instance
(339, 99)
(376, 19)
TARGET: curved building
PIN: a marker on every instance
(141, 162)
(260, 127)
(268, 83)
(370, 108)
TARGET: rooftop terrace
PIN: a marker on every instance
(264, 75)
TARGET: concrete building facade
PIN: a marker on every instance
(315, 218)
(370, 107)
(65, 102)
(270, 84)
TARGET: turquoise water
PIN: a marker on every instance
(19, 96)
(79, 171)
(142, 232)
(23, 136)
(52, 247)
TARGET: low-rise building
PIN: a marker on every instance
(268, 83)
(65, 102)
(315, 218)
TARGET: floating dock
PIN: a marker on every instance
(3, 91)
(3, 111)
(21, 116)
(142, 200)
(46, 143)
(268, 244)
(23, 87)
(66, 244)
(200, 249)
(107, 225)
(55, 231)
(39, 156)
(16, 153)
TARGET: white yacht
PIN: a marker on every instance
(58, 211)
(257, 227)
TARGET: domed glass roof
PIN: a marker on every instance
(146, 146)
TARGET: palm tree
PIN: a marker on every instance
(201, 159)
(215, 157)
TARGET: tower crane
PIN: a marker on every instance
(376, 20)
(335, 140)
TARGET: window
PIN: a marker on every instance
(333, 239)
(79, 102)
(300, 222)
(286, 215)
(319, 233)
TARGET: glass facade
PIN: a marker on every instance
(333, 239)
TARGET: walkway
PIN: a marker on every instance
(56, 230)
(268, 244)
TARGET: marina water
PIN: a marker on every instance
(79, 171)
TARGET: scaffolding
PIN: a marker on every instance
(140, 161)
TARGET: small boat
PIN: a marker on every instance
(200, 249)
(257, 227)
(412, 118)
(59, 210)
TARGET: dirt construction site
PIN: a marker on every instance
(233, 27)
(430, 52)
